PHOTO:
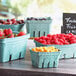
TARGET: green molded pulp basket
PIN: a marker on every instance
(17, 27)
(38, 28)
(13, 48)
(45, 59)
(68, 51)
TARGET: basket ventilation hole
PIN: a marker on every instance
(48, 64)
(20, 55)
(43, 65)
(54, 64)
(10, 57)
(39, 34)
(33, 33)
(64, 56)
(44, 33)
(73, 55)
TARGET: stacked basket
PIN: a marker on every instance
(12, 48)
(15, 25)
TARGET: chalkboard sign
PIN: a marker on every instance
(69, 23)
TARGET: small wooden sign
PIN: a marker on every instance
(69, 23)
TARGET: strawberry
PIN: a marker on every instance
(1, 34)
(58, 39)
(14, 20)
(21, 34)
(7, 23)
(11, 36)
(4, 22)
(37, 38)
(48, 35)
(8, 31)
(8, 20)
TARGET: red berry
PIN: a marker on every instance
(36, 39)
(11, 36)
(43, 41)
(46, 38)
(7, 23)
(1, 34)
(22, 21)
(4, 22)
(19, 22)
(21, 34)
(13, 19)
(49, 35)
(61, 40)
(73, 41)
(10, 31)
(70, 34)
(8, 20)
(6, 31)
(42, 37)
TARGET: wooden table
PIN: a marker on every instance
(24, 67)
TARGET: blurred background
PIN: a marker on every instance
(21, 9)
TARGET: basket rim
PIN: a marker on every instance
(45, 53)
(54, 44)
(15, 38)
(12, 24)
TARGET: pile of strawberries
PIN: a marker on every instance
(7, 33)
(57, 39)
(11, 22)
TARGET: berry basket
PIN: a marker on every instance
(17, 27)
(68, 51)
(45, 59)
(38, 28)
(14, 27)
(13, 48)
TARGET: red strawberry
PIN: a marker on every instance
(36, 39)
(49, 35)
(4, 22)
(11, 36)
(8, 31)
(7, 23)
(21, 34)
(19, 22)
(1, 34)
(8, 20)
(13, 19)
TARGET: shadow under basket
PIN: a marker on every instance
(68, 51)
(13, 48)
(38, 28)
(45, 59)
(17, 27)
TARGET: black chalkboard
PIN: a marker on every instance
(69, 23)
